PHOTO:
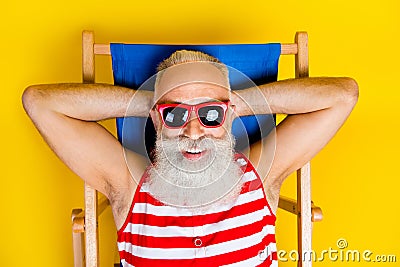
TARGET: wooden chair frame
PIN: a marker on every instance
(84, 222)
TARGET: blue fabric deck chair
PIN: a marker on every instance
(133, 64)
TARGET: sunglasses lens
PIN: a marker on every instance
(211, 115)
(175, 116)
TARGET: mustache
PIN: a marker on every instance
(203, 142)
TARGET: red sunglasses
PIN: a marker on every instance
(210, 114)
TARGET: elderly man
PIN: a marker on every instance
(200, 203)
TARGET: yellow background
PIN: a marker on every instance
(355, 178)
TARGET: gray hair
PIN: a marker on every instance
(187, 56)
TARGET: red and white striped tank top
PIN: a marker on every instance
(158, 235)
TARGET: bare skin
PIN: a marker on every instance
(66, 116)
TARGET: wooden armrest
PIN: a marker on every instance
(78, 221)
(78, 215)
(290, 205)
(316, 213)
(78, 227)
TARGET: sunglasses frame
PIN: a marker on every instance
(223, 104)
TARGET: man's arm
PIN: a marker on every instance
(66, 116)
(316, 108)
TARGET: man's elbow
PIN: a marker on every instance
(350, 90)
(31, 99)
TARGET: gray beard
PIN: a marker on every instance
(178, 181)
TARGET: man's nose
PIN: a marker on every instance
(193, 129)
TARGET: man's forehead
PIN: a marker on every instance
(194, 93)
(178, 75)
(192, 101)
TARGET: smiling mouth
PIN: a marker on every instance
(193, 153)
